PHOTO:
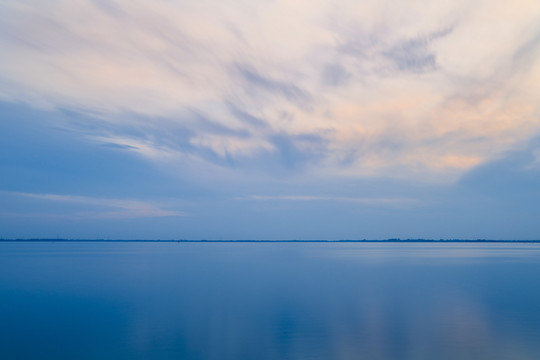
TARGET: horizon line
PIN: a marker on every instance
(390, 240)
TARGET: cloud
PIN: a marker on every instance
(414, 54)
(97, 208)
(247, 117)
(335, 75)
(289, 91)
(419, 91)
(382, 53)
(512, 178)
(392, 202)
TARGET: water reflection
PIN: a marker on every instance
(269, 301)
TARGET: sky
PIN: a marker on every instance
(270, 119)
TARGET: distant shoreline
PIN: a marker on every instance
(279, 241)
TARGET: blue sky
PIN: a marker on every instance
(270, 119)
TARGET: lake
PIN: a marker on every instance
(98, 300)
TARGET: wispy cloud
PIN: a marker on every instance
(360, 200)
(99, 208)
(417, 91)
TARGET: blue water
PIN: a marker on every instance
(269, 301)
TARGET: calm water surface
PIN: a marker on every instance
(269, 301)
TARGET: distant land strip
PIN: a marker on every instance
(277, 241)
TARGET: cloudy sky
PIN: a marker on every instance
(270, 119)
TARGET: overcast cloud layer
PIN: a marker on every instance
(272, 101)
